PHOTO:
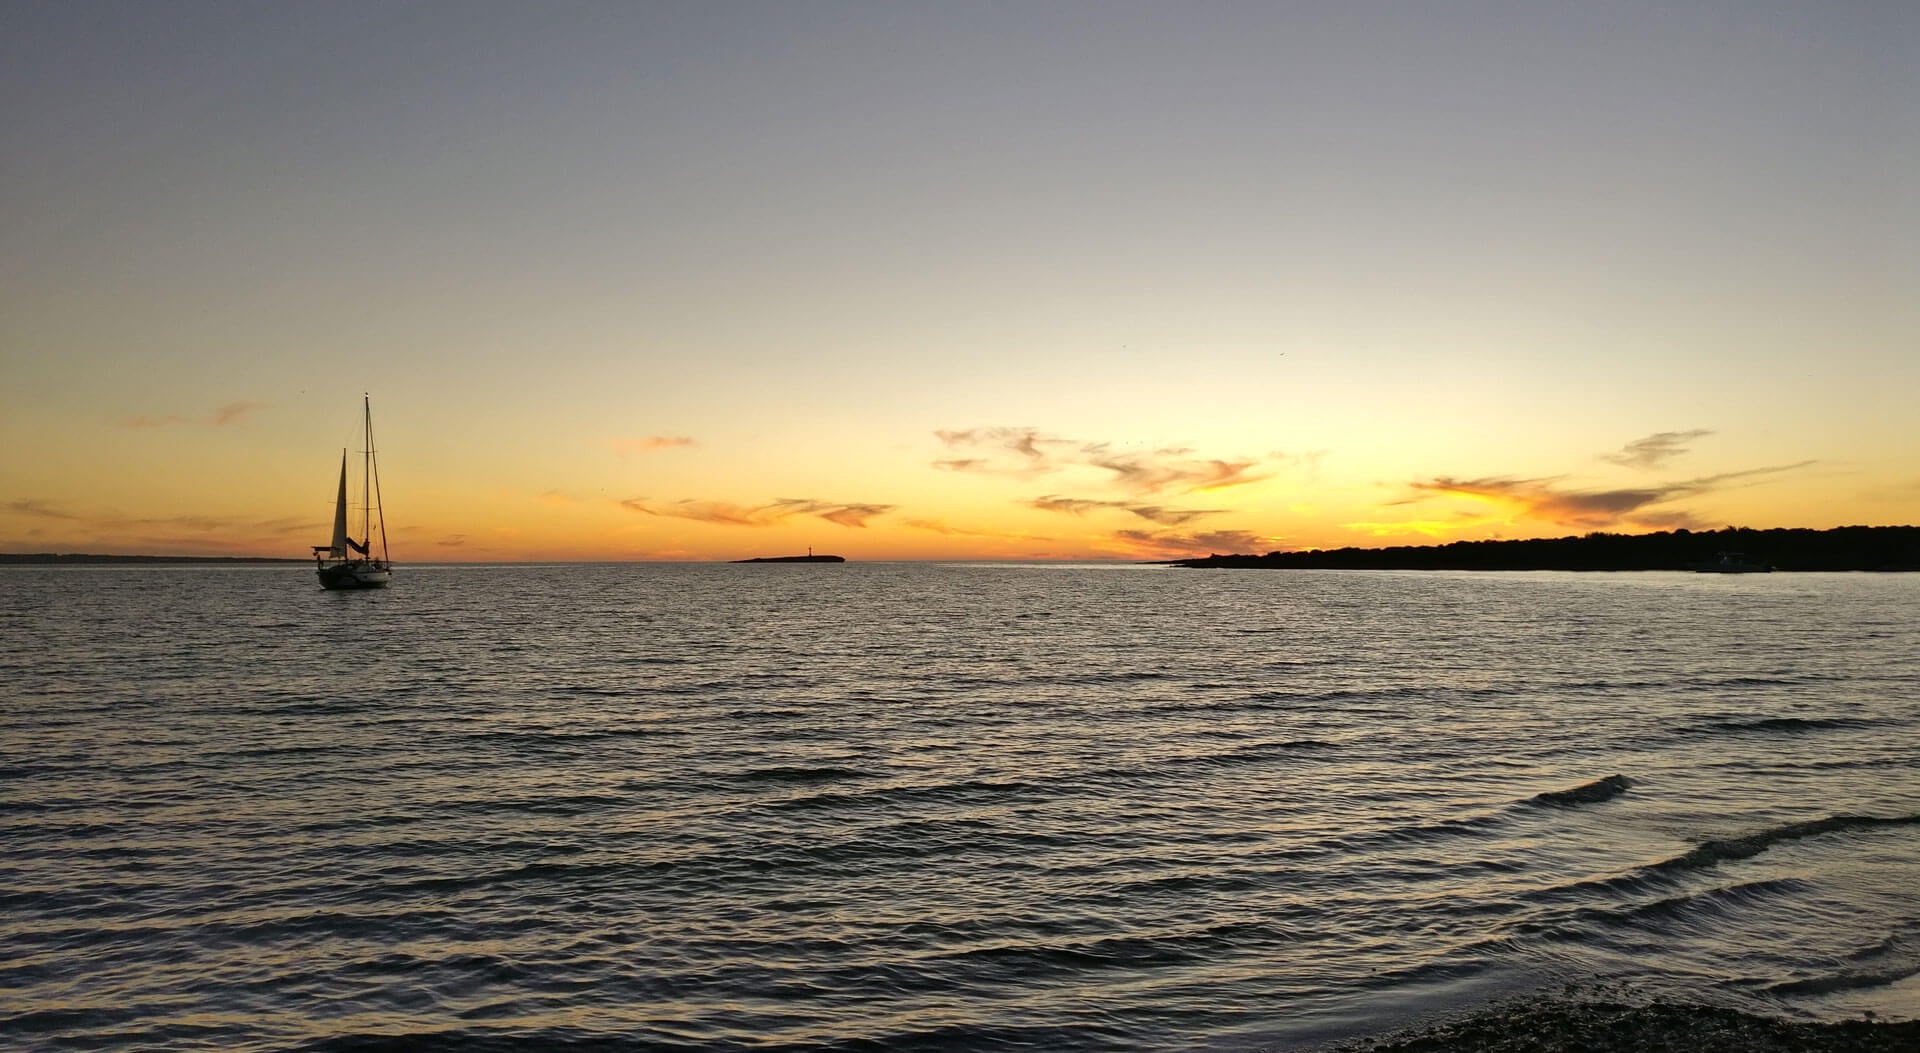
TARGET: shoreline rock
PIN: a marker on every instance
(1560, 1026)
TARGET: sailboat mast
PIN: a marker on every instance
(373, 456)
(366, 476)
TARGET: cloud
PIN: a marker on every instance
(166, 535)
(1545, 501)
(1027, 442)
(1021, 452)
(650, 443)
(935, 526)
(1152, 473)
(1308, 463)
(236, 412)
(41, 509)
(1202, 544)
(1027, 452)
(1654, 451)
(1069, 505)
(223, 415)
(213, 524)
(726, 513)
(1538, 499)
(1154, 513)
(722, 512)
(1714, 481)
(1423, 527)
(851, 515)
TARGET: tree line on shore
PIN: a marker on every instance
(1841, 548)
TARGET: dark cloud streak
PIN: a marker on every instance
(1026, 453)
(1654, 451)
(1153, 513)
(1542, 499)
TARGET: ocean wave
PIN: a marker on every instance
(1849, 980)
(1713, 853)
(1418, 832)
(550, 804)
(1654, 876)
(803, 774)
(546, 738)
(1660, 914)
(1786, 724)
(1030, 961)
(1259, 753)
(1604, 789)
(968, 791)
(515, 1040)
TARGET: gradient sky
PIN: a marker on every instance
(1003, 280)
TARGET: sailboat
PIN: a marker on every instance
(345, 563)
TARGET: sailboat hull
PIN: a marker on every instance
(355, 574)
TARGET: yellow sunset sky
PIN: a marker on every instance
(911, 281)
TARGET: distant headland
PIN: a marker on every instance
(1890, 548)
(808, 558)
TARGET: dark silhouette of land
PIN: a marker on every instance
(1562, 1026)
(80, 557)
(808, 558)
(1842, 548)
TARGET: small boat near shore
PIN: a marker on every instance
(344, 563)
(1731, 563)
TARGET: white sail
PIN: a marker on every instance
(338, 550)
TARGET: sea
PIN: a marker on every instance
(941, 805)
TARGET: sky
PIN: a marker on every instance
(968, 280)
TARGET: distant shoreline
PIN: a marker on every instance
(1853, 548)
(56, 558)
(808, 558)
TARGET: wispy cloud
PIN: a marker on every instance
(1070, 505)
(1153, 513)
(935, 526)
(222, 416)
(1421, 527)
(649, 444)
(236, 412)
(111, 531)
(39, 509)
(726, 513)
(151, 422)
(1027, 442)
(1540, 499)
(1027, 453)
(1546, 501)
(1020, 452)
(848, 515)
(1162, 470)
(1163, 543)
(1654, 451)
(1306, 464)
